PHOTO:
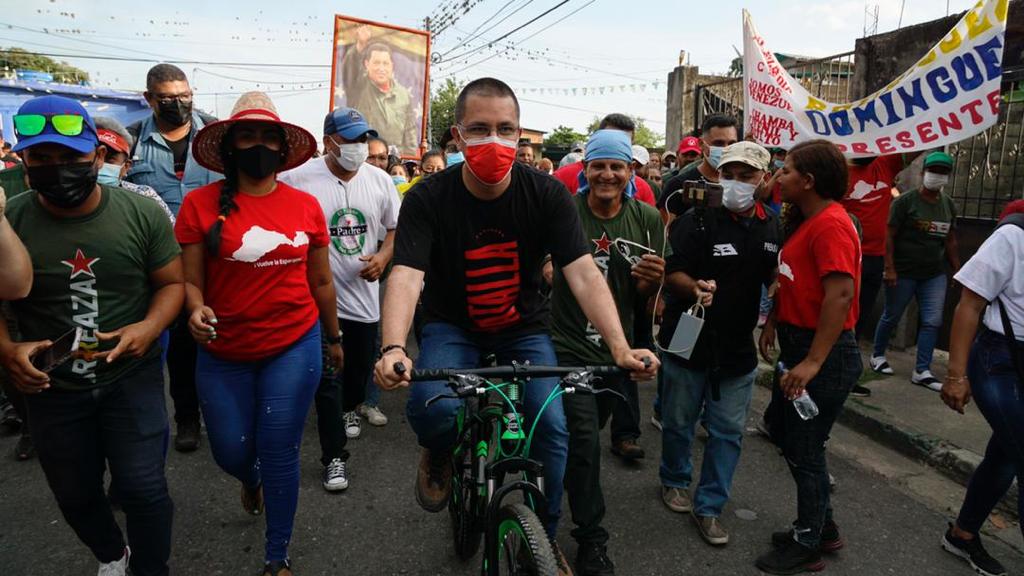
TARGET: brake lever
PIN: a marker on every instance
(439, 397)
(615, 393)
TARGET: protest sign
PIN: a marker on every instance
(950, 94)
(382, 71)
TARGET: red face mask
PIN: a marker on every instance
(490, 159)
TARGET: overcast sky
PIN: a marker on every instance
(602, 47)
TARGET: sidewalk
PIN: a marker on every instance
(914, 421)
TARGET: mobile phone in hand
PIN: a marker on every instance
(62, 350)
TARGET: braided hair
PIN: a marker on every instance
(229, 187)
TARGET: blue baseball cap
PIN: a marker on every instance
(51, 106)
(347, 122)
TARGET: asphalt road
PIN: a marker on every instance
(376, 528)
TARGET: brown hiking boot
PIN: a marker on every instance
(434, 480)
(277, 568)
(628, 449)
(252, 499)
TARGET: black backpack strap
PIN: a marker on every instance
(1011, 340)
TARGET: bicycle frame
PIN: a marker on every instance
(494, 428)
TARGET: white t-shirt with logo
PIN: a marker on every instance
(359, 213)
(997, 270)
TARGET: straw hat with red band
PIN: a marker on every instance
(252, 107)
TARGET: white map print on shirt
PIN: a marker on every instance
(786, 271)
(862, 189)
(257, 242)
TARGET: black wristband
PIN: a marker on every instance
(333, 339)
(391, 347)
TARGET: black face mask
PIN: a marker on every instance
(64, 185)
(258, 161)
(175, 112)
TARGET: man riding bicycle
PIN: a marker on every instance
(474, 238)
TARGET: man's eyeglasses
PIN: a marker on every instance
(34, 124)
(506, 131)
(168, 98)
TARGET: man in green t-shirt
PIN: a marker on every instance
(626, 238)
(108, 277)
(920, 240)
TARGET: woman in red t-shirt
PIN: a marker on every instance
(815, 313)
(258, 289)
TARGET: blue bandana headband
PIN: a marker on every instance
(608, 145)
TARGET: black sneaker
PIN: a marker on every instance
(973, 552)
(792, 558)
(831, 541)
(25, 449)
(592, 560)
(860, 391)
(188, 437)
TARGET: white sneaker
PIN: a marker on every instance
(926, 379)
(373, 414)
(335, 476)
(352, 426)
(117, 567)
(881, 365)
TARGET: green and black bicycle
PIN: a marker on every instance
(491, 462)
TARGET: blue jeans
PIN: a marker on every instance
(447, 346)
(78, 433)
(683, 397)
(803, 441)
(931, 296)
(998, 392)
(254, 413)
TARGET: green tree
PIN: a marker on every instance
(563, 137)
(643, 135)
(442, 110)
(19, 59)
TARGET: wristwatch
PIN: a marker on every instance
(333, 339)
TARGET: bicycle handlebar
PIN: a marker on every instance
(514, 371)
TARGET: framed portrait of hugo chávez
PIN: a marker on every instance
(383, 71)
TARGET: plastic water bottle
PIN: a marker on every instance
(803, 403)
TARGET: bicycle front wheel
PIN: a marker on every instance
(523, 546)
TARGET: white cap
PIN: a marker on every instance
(641, 155)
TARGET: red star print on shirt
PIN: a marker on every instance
(81, 264)
(603, 244)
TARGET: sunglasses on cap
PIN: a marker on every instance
(34, 124)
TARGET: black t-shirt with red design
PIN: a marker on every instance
(482, 259)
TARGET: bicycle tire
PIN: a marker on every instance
(464, 501)
(523, 546)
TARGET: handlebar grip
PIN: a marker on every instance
(399, 368)
(606, 370)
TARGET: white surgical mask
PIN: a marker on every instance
(933, 181)
(715, 155)
(737, 196)
(351, 155)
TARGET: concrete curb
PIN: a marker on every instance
(949, 459)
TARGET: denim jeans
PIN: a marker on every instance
(803, 441)
(998, 391)
(340, 393)
(871, 269)
(447, 346)
(254, 413)
(931, 296)
(123, 425)
(686, 392)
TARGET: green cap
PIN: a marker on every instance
(938, 159)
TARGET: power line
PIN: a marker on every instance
(514, 30)
(645, 120)
(474, 36)
(175, 61)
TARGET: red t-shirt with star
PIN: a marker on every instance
(257, 284)
(825, 244)
(868, 197)
(570, 176)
